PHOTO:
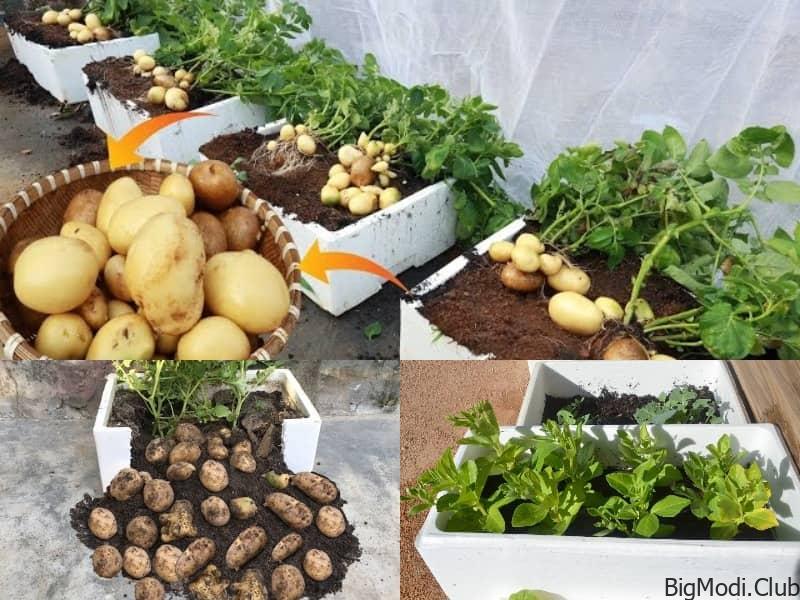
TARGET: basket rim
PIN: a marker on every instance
(17, 347)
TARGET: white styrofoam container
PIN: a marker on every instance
(419, 338)
(567, 378)
(180, 141)
(60, 70)
(299, 436)
(486, 566)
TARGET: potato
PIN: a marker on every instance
(189, 432)
(215, 511)
(244, 462)
(245, 547)
(114, 276)
(570, 279)
(287, 583)
(501, 251)
(213, 338)
(118, 308)
(124, 337)
(55, 274)
(347, 155)
(625, 348)
(550, 264)
(318, 488)
(125, 485)
(660, 356)
(291, 511)
(195, 557)
(83, 207)
(132, 216)
(91, 235)
(250, 587)
(63, 337)
(148, 588)
(178, 523)
(102, 523)
(212, 232)
(388, 197)
(610, 308)
(158, 495)
(95, 309)
(528, 240)
(213, 476)
(243, 508)
(242, 228)
(16, 251)
(361, 172)
(107, 561)
(179, 187)
(288, 545)
(216, 448)
(317, 565)
(185, 452)
(331, 522)
(575, 313)
(142, 531)
(145, 476)
(164, 272)
(242, 446)
(120, 192)
(209, 585)
(247, 289)
(363, 203)
(525, 259)
(136, 562)
(180, 471)
(164, 562)
(157, 451)
(519, 281)
(167, 344)
(215, 184)
(306, 144)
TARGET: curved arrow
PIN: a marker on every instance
(317, 264)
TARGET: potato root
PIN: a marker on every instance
(164, 562)
(158, 495)
(148, 588)
(317, 565)
(178, 523)
(142, 531)
(289, 510)
(213, 476)
(197, 555)
(318, 488)
(102, 523)
(136, 562)
(215, 511)
(245, 547)
(243, 508)
(288, 545)
(331, 522)
(107, 561)
(126, 484)
(287, 583)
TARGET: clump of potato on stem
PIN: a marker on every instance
(170, 89)
(83, 30)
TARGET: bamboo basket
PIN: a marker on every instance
(38, 210)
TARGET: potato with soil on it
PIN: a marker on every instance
(290, 510)
(519, 281)
(146, 476)
(158, 450)
(125, 485)
(125, 337)
(215, 184)
(287, 583)
(83, 207)
(280, 481)
(158, 495)
(95, 309)
(242, 446)
(209, 585)
(250, 587)
(16, 251)
(242, 228)
(288, 545)
(136, 562)
(317, 565)
(212, 232)
(331, 522)
(164, 562)
(102, 523)
(189, 432)
(180, 471)
(316, 487)
(216, 448)
(142, 531)
(244, 462)
(243, 508)
(247, 545)
(185, 452)
(148, 588)
(107, 561)
(196, 556)
(213, 338)
(63, 337)
(213, 476)
(215, 511)
(178, 523)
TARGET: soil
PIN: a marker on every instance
(343, 550)
(479, 312)
(87, 144)
(30, 26)
(296, 191)
(116, 75)
(610, 408)
(17, 82)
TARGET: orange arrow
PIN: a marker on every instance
(122, 152)
(317, 263)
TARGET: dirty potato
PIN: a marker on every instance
(213, 476)
(195, 557)
(316, 487)
(243, 508)
(164, 562)
(148, 588)
(126, 484)
(107, 561)
(209, 585)
(331, 522)
(158, 495)
(287, 583)
(136, 562)
(215, 511)
(244, 462)
(216, 448)
(245, 547)
(185, 452)
(287, 546)
(188, 432)
(102, 523)
(317, 565)
(250, 587)
(291, 511)
(178, 523)
(158, 450)
(243, 446)
(180, 471)
(142, 531)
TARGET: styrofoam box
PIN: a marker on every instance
(486, 566)
(180, 141)
(567, 378)
(60, 70)
(299, 436)
(419, 338)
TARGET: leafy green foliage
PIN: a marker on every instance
(525, 595)
(373, 330)
(681, 405)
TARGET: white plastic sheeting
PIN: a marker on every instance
(567, 72)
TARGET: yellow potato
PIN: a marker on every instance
(528, 240)
(114, 276)
(550, 263)
(501, 251)
(63, 337)
(95, 309)
(575, 313)
(214, 338)
(167, 344)
(164, 272)
(125, 337)
(525, 259)
(131, 217)
(179, 187)
(610, 307)
(118, 193)
(246, 288)
(92, 236)
(117, 308)
(570, 279)
(55, 274)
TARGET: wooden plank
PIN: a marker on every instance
(772, 389)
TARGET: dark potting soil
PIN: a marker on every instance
(29, 25)
(86, 144)
(296, 191)
(610, 408)
(343, 550)
(116, 75)
(479, 312)
(17, 82)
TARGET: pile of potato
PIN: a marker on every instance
(170, 89)
(150, 556)
(135, 276)
(90, 30)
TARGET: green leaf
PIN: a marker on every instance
(373, 330)
(725, 509)
(784, 151)
(525, 595)
(724, 531)
(621, 482)
(495, 523)
(696, 166)
(221, 411)
(761, 519)
(647, 526)
(434, 159)
(727, 164)
(528, 515)
(724, 334)
(675, 143)
(783, 191)
(759, 135)
(464, 168)
(670, 506)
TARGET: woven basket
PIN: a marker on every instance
(38, 211)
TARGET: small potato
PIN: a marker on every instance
(83, 207)
(662, 357)
(243, 508)
(213, 476)
(178, 186)
(570, 279)
(185, 452)
(209, 585)
(575, 313)
(525, 259)
(164, 562)
(529, 240)
(242, 228)
(189, 432)
(92, 21)
(250, 587)
(157, 451)
(156, 94)
(125, 485)
(245, 547)
(91, 235)
(107, 561)
(215, 511)
(16, 251)
(146, 476)
(244, 462)
(50, 17)
(212, 232)
(178, 523)
(142, 531)
(164, 81)
(136, 562)
(114, 276)
(146, 63)
(317, 565)
(331, 522)
(318, 488)
(125, 337)
(102, 523)
(216, 448)
(148, 588)
(306, 144)
(180, 471)
(131, 217)
(339, 181)
(95, 309)
(287, 583)
(625, 348)
(291, 511)
(102, 34)
(550, 264)
(213, 338)
(519, 281)
(243, 446)
(63, 337)
(348, 154)
(329, 195)
(158, 495)
(195, 557)
(118, 308)
(610, 307)
(336, 170)
(361, 172)
(215, 184)
(363, 203)
(286, 133)
(167, 344)
(120, 191)
(347, 194)
(288, 545)
(388, 197)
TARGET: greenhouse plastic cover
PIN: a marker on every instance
(569, 72)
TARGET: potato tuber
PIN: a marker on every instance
(136, 562)
(317, 565)
(287, 583)
(185, 452)
(209, 585)
(188, 432)
(164, 562)
(148, 588)
(291, 511)
(287, 546)
(180, 471)
(250, 587)
(243, 508)
(107, 561)
(331, 522)
(126, 484)
(215, 511)
(142, 531)
(318, 488)
(102, 523)
(158, 495)
(178, 523)
(247, 545)
(213, 476)
(158, 450)
(195, 557)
